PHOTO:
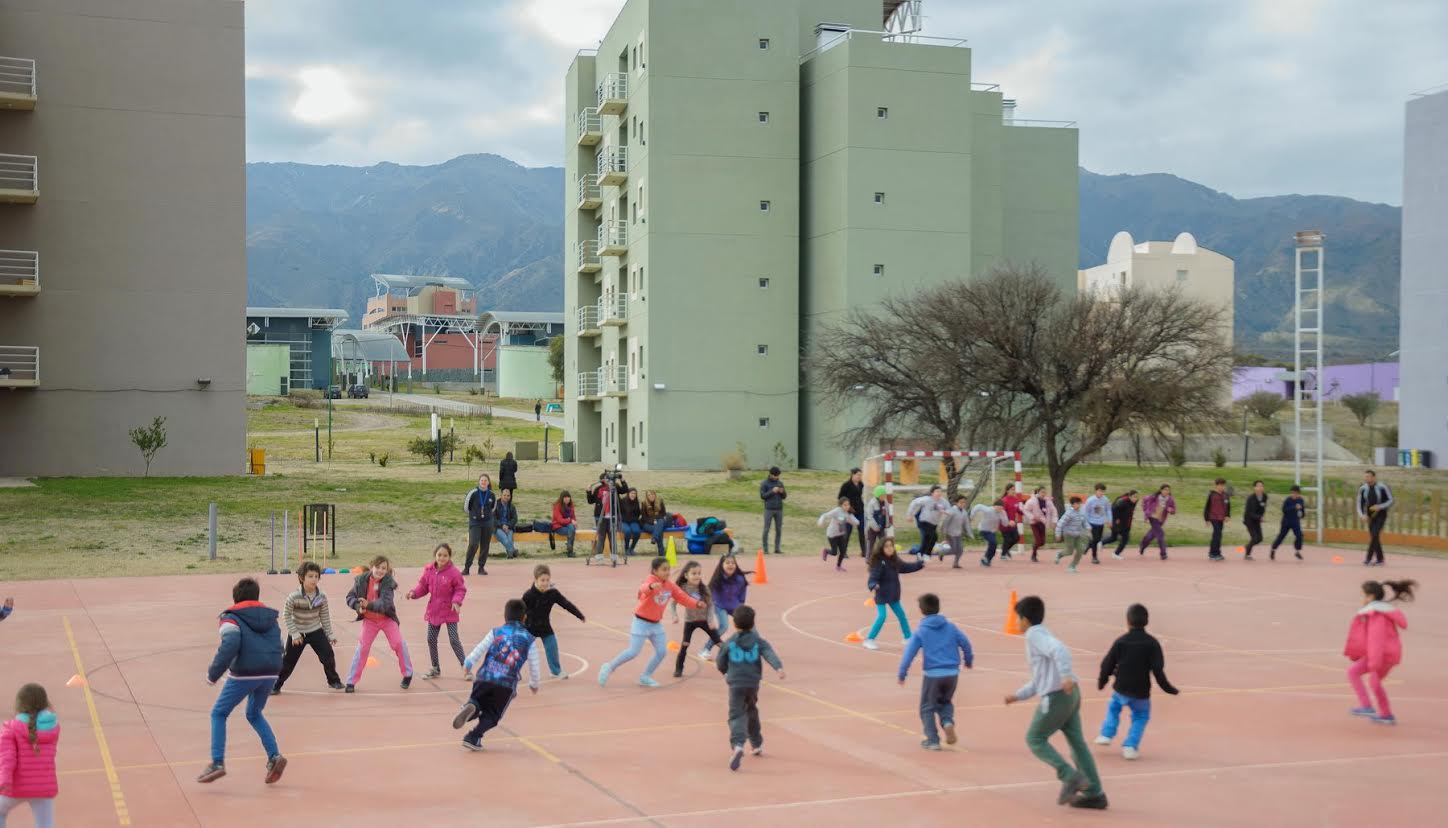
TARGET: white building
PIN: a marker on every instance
(1181, 265)
(1423, 416)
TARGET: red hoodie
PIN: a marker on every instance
(652, 599)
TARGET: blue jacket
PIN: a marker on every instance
(885, 578)
(1293, 508)
(729, 593)
(251, 643)
(944, 644)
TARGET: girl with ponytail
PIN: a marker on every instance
(1373, 646)
(27, 757)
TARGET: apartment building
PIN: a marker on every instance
(744, 173)
(1423, 414)
(122, 235)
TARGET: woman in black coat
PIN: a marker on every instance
(508, 473)
(854, 489)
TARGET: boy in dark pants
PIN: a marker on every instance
(1216, 512)
(946, 648)
(1293, 510)
(739, 661)
(499, 659)
(250, 654)
(1134, 658)
(1255, 513)
(308, 620)
(1122, 512)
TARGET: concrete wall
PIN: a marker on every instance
(140, 131)
(523, 372)
(1423, 417)
(266, 367)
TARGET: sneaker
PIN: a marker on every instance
(1057, 559)
(213, 772)
(1117, 556)
(1074, 784)
(869, 644)
(1130, 753)
(706, 655)
(1034, 559)
(432, 674)
(335, 685)
(1385, 720)
(276, 691)
(351, 688)
(1102, 740)
(735, 757)
(1247, 556)
(1005, 556)
(930, 744)
(949, 732)
(1163, 556)
(475, 746)
(603, 673)
(824, 554)
(1095, 803)
(407, 680)
(1095, 561)
(464, 715)
(1071, 569)
(647, 681)
(563, 676)
(467, 674)
(275, 766)
(839, 568)
(759, 751)
(1272, 555)
(984, 562)
(1364, 711)
(678, 673)
(1297, 555)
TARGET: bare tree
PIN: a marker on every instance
(1264, 404)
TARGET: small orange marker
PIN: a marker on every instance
(372, 661)
(1337, 559)
(76, 680)
(1241, 550)
(673, 646)
(853, 638)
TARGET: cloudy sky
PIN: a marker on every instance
(1251, 97)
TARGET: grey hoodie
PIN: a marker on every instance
(740, 659)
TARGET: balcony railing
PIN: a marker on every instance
(1035, 123)
(17, 83)
(588, 320)
(19, 179)
(19, 272)
(613, 166)
(590, 126)
(615, 380)
(612, 238)
(586, 257)
(613, 310)
(590, 195)
(19, 366)
(613, 93)
(590, 384)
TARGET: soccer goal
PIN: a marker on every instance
(888, 469)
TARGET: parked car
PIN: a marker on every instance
(357, 392)
(334, 392)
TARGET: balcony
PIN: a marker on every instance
(613, 310)
(588, 321)
(613, 93)
(612, 238)
(19, 272)
(17, 83)
(590, 195)
(590, 384)
(613, 167)
(590, 126)
(615, 380)
(586, 257)
(19, 179)
(19, 366)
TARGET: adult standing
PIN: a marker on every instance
(538, 411)
(508, 473)
(854, 490)
(1253, 515)
(771, 491)
(480, 505)
(1373, 501)
(1216, 512)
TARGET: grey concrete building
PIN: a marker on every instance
(122, 235)
(1423, 365)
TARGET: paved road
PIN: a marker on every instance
(444, 404)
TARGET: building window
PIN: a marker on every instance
(764, 282)
(643, 56)
(879, 270)
(764, 43)
(761, 350)
(880, 198)
(643, 128)
(763, 206)
(764, 422)
(764, 117)
(882, 112)
(1181, 275)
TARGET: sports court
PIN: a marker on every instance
(1260, 734)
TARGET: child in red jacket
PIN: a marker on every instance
(1373, 645)
(444, 586)
(653, 596)
(27, 757)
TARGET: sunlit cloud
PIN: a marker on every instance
(326, 96)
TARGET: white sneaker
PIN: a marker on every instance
(1117, 556)
(563, 677)
(869, 644)
(1102, 740)
(1130, 753)
(706, 655)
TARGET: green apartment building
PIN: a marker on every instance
(742, 173)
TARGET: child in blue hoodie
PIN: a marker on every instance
(946, 648)
(250, 654)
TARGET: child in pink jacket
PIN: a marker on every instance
(1039, 512)
(444, 586)
(27, 757)
(1373, 645)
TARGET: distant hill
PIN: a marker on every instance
(315, 233)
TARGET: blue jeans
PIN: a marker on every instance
(550, 651)
(255, 692)
(1140, 715)
(568, 531)
(639, 632)
(504, 535)
(990, 545)
(656, 531)
(724, 622)
(631, 534)
(880, 619)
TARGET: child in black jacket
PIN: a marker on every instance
(1134, 658)
(1255, 512)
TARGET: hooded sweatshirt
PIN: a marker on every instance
(652, 600)
(251, 643)
(945, 646)
(1373, 635)
(27, 771)
(444, 587)
(840, 522)
(740, 659)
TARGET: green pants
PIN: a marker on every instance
(1075, 547)
(1062, 712)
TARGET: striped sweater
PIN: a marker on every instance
(304, 613)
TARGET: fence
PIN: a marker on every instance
(1419, 517)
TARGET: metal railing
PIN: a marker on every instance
(589, 123)
(589, 193)
(587, 319)
(613, 309)
(1027, 122)
(17, 76)
(19, 172)
(905, 38)
(19, 365)
(20, 267)
(590, 383)
(613, 87)
(984, 87)
(613, 163)
(612, 235)
(615, 379)
(586, 255)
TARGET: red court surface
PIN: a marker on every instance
(1260, 735)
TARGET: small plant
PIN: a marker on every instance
(488, 447)
(732, 460)
(1362, 406)
(474, 453)
(427, 447)
(781, 456)
(1219, 457)
(372, 456)
(743, 455)
(1390, 436)
(488, 415)
(382, 459)
(472, 390)
(1177, 455)
(150, 440)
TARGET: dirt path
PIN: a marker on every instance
(360, 421)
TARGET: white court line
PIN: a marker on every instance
(438, 692)
(1126, 777)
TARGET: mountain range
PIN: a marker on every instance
(315, 233)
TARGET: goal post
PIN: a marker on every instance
(888, 470)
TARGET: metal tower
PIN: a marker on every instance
(1307, 369)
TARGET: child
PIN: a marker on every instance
(653, 595)
(1074, 527)
(728, 587)
(927, 511)
(1060, 709)
(499, 658)
(1010, 530)
(1158, 507)
(1294, 508)
(445, 588)
(691, 580)
(740, 661)
(1254, 513)
(1098, 509)
(1215, 513)
(1039, 511)
(884, 581)
(371, 596)
(1373, 645)
(7, 608)
(874, 519)
(539, 601)
(988, 521)
(946, 648)
(308, 618)
(1133, 658)
(565, 521)
(1122, 512)
(250, 654)
(954, 527)
(27, 757)
(841, 525)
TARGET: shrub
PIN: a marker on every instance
(382, 459)
(781, 456)
(150, 440)
(372, 456)
(1390, 436)
(1219, 457)
(474, 453)
(1177, 455)
(1264, 405)
(437, 388)
(732, 460)
(427, 447)
(1362, 406)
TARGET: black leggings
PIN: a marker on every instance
(840, 546)
(1254, 533)
(1122, 535)
(690, 626)
(1096, 530)
(321, 646)
(1009, 538)
(927, 538)
(452, 637)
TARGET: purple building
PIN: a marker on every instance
(1339, 381)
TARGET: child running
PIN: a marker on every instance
(1076, 529)
(653, 595)
(499, 658)
(1253, 516)
(539, 600)
(1158, 507)
(954, 526)
(372, 597)
(741, 661)
(1122, 511)
(308, 619)
(1373, 645)
(1133, 658)
(837, 534)
(946, 648)
(874, 519)
(1011, 529)
(250, 654)
(445, 589)
(27, 757)
(1060, 709)
(691, 580)
(1098, 511)
(885, 571)
(1039, 511)
(728, 588)
(988, 521)
(1294, 508)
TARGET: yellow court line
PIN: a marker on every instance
(843, 710)
(123, 815)
(538, 749)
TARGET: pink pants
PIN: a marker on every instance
(370, 629)
(1355, 677)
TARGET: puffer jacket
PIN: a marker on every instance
(27, 771)
(1373, 635)
(444, 587)
(251, 643)
(1033, 512)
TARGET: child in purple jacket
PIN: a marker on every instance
(445, 588)
(1158, 507)
(728, 586)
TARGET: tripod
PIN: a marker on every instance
(610, 517)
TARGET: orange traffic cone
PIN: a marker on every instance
(760, 576)
(1013, 623)
(853, 637)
